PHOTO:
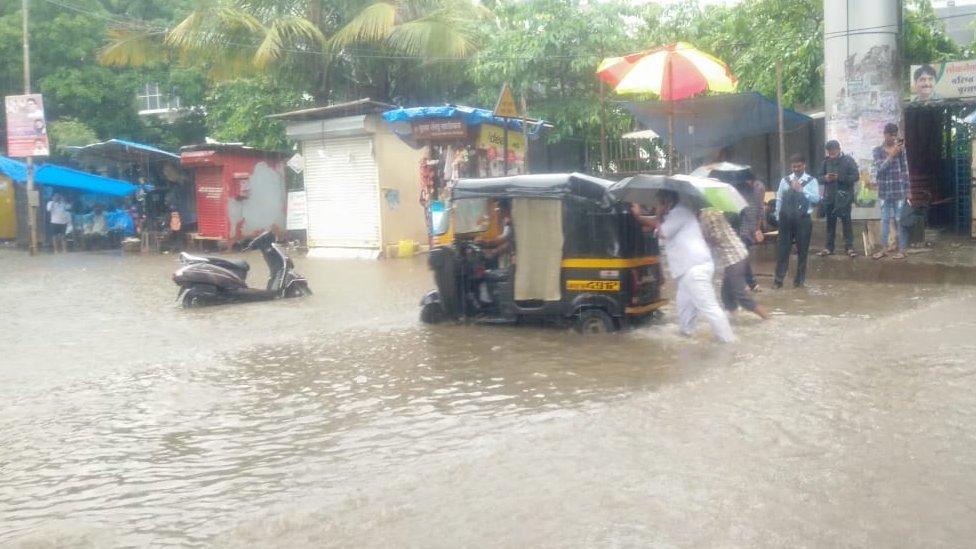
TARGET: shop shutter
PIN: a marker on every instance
(342, 193)
(212, 218)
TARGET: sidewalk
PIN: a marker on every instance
(951, 259)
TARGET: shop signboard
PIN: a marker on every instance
(491, 140)
(439, 130)
(937, 81)
(296, 216)
(26, 127)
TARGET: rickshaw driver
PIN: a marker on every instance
(503, 245)
(500, 250)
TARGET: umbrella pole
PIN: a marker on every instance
(671, 141)
(670, 118)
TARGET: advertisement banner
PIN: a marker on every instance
(936, 81)
(26, 127)
(296, 217)
(491, 140)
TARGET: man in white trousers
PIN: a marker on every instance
(690, 264)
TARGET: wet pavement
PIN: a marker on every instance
(340, 420)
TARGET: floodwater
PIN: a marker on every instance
(340, 420)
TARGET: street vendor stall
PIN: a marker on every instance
(461, 142)
(164, 187)
(99, 216)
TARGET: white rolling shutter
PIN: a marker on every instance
(342, 193)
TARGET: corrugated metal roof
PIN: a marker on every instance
(351, 108)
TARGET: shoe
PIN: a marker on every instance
(777, 285)
(851, 253)
(755, 287)
(825, 252)
(798, 285)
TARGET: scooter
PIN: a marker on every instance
(215, 280)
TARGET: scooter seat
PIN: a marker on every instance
(232, 264)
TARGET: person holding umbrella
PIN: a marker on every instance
(690, 264)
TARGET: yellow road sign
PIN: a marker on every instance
(505, 106)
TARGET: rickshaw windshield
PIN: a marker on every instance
(471, 215)
(440, 223)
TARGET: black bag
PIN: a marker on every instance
(908, 216)
(795, 206)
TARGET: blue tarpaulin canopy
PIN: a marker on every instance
(399, 119)
(121, 149)
(703, 125)
(58, 176)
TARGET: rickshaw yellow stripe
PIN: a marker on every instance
(608, 263)
(646, 308)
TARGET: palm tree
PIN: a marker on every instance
(339, 44)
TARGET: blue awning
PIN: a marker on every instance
(399, 119)
(703, 125)
(53, 175)
(122, 150)
(13, 169)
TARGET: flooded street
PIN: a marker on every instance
(340, 420)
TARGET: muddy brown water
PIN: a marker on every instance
(340, 420)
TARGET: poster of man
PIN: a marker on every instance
(26, 127)
(937, 81)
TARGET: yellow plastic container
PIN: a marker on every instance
(406, 248)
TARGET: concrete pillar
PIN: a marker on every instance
(862, 81)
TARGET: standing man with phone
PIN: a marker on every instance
(891, 164)
(839, 175)
(798, 193)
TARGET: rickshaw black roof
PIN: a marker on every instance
(549, 185)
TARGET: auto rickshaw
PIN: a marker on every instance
(571, 254)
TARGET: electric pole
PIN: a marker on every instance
(32, 197)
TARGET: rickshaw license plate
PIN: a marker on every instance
(593, 285)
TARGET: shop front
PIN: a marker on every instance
(461, 142)
(939, 140)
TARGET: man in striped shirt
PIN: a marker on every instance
(891, 165)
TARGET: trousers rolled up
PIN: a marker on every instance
(696, 295)
(750, 276)
(789, 233)
(735, 289)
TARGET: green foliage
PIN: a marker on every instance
(237, 112)
(924, 39)
(548, 50)
(69, 132)
(751, 37)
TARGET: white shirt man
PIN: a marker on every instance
(690, 264)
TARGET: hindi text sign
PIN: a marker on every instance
(439, 130)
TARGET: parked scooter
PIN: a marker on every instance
(215, 280)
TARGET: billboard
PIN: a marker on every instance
(936, 81)
(26, 127)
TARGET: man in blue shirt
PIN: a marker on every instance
(796, 197)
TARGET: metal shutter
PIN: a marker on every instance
(342, 193)
(211, 203)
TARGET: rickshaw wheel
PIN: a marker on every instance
(431, 313)
(594, 321)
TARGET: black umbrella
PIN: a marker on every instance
(643, 189)
(733, 174)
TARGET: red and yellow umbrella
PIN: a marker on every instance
(673, 72)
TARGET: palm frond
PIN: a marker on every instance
(132, 48)
(373, 24)
(431, 36)
(286, 33)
